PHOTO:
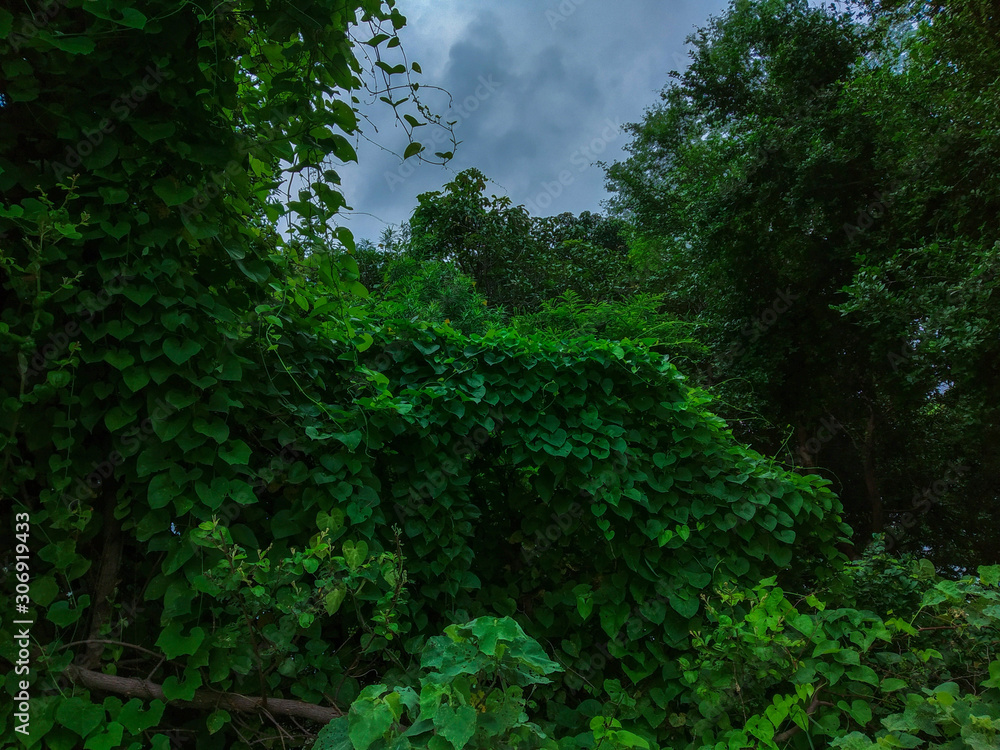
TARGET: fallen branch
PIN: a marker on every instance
(136, 688)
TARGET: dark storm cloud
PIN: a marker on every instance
(539, 91)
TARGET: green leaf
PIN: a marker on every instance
(110, 738)
(62, 614)
(136, 720)
(369, 725)
(136, 378)
(861, 712)
(172, 192)
(119, 359)
(113, 196)
(176, 690)
(334, 599)
(44, 591)
(180, 350)
(334, 736)
(236, 453)
(140, 294)
(854, 741)
(213, 495)
(456, 725)
(355, 554)
(173, 644)
(80, 715)
(152, 132)
(685, 607)
(216, 720)
(161, 491)
(132, 18)
(351, 439)
(989, 575)
(891, 684)
(216, 429)
(412, 150)
(613, 616)
(116, 418)
(75, 45)
(994, 678)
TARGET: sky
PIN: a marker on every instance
(540, 90)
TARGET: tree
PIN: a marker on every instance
(486, 237)
(781, 167)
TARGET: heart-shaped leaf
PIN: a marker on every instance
(355, 554)
(180, 350)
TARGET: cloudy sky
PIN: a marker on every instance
(540, 89)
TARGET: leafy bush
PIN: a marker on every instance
(434, 292)
(637, 318)
(472, 695)
(767, 670)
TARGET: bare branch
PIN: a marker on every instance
(134, 687)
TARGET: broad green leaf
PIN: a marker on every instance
(110, 738)
(119, 359)
(368, 723)
(137, 720)
(457, 725)
(355, 553)
(333, 599)
(235, 452)
(989, 574)
(216, 720)
(180, 350)
(76, 44)
(173, 644)
(172, 192)
(80, 715)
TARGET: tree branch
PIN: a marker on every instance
(134, 687)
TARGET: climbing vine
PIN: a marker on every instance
(253, 510)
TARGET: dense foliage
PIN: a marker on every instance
(814, 193)
(457, 491)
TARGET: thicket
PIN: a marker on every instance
(266, 510)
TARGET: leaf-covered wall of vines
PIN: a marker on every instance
(214, 451)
